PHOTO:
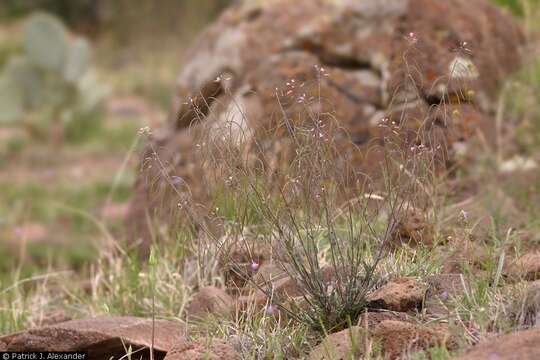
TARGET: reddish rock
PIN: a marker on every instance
(273, 279)
(211, 300)
(442, 289)
(268, 273)
(526, 267)
(400, 338)
(286, 288)
(203, 350)
(464, 254)
(351, 62)
(520, 345)
(241, 258)
(277, 292)
(402, 294)
(415, 229)
(273, 284)
(101, 337)
(526, 308)
(396, 338)
(370, 320)
(346, 344)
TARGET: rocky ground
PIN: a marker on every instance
(336, 180)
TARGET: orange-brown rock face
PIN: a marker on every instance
(426, 65)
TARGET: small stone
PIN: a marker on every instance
(526, 267)
(441, 289)
(369, 320)
(414, 229)
(278, 291)
(526, 311)
(210, 300)
(402, 294)
(398, 338)
(203, 350)
(238, 260)
(273, 285)
(519, 345)
(50, 318)
(340, 346)
(467, 254)
(269, 272)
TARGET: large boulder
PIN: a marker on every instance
(102, 337)
(520, 345)
(426, 65)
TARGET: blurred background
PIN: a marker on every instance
(78, 79)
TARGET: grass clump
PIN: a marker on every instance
(329, 225)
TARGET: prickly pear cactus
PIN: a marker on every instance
(91, 91)
(78, 60)
(10, 101)
(45, 42)
(53, 80)
(27, 80)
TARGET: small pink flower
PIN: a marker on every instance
(412, 38)
(254, 266)
(270, 310)
(176, 180)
